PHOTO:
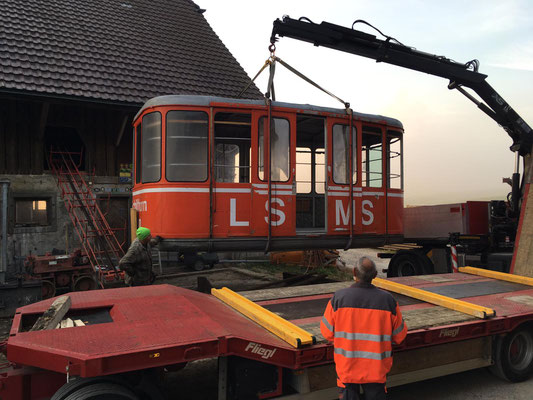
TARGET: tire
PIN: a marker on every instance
(83, 283)
(76, 384)
(102, 391)
(198, 265)
(405, 263)
(513, 355)
(48, 289)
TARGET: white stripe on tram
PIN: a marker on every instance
(274, 185)
(279, 192)
(171, 190)
(191, 190)
(233, 190)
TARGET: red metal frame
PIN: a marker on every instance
(192, 326)
(96, 236)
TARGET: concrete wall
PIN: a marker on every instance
(36, 239)
(60, 233)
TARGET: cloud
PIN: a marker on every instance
(516, 56)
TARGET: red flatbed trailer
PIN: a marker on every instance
(134, 330)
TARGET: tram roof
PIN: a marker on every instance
(302, 108)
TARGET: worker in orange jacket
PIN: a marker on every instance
(363, 322)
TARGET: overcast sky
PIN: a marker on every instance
(453, 152)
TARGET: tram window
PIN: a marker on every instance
(280, 146)
(303, 170)
(151, 147)
(394, 165)
(320, 172)
(138, 154)
(186, 146)
(372, 157)
(341, 154)
(232, 147)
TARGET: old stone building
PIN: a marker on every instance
(73, 74)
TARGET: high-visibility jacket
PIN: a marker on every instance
(363, 321)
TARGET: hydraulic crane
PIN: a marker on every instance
(461, 76)
(393, 52)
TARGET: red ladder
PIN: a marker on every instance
(96, 236)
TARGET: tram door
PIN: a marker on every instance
(280, 214)
(310, 174)
(373, 192)
(341, 212)
(232, 173)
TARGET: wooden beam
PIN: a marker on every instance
(435, 298)
(3, 133)
(53, 315)
(285, 330)
(502, 276)
(133, 224)
(43, 119)
(121, 130)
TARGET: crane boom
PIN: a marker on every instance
(460, 75)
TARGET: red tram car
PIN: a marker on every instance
(202, 183)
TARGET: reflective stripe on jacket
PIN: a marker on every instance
(363, 321)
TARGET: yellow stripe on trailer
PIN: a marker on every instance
(434, 298)
(524, 280)
(292, 334)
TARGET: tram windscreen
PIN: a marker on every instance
(151, 147)
(341, 154)
(280, 147)
(186, 146)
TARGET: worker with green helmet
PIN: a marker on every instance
(137, 262)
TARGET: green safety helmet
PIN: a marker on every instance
(142, 233)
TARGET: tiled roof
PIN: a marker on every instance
(114, 50)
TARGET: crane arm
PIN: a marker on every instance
(460, 75)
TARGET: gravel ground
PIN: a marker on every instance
(351, 256)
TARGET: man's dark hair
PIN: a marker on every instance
(365, 270)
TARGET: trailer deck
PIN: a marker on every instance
(129, 329)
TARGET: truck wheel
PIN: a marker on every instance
(102, 391)
(405, 264)
(83, 283)
(76, 384)
(513, 356)
(198, 265)
(48, 289)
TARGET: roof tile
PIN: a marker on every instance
(125, 51)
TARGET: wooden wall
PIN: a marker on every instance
(22, 134)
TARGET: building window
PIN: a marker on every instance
(186, 146)
(32, 212)
(280, 147)
(233, 136)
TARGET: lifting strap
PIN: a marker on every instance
(271, 61)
